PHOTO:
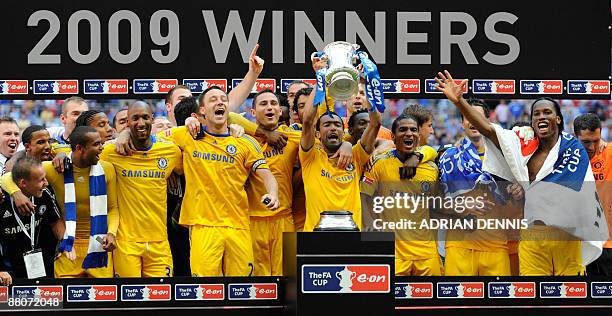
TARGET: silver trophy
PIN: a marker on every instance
(342, 77)
(336, 221)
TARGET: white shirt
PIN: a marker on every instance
(503, 112)
(3, 160)
(56, 132)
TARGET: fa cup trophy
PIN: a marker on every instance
(342, 76)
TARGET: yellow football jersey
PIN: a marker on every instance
(382, 179)
(216, 169)
(281, 162)
(57, 148)
(328, 188)
(249, 127)
(81, 187)
(141, 185)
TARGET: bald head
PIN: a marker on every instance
(139, 105)
(140, 120)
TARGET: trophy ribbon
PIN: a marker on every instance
(374, 90)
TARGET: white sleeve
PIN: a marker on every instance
(55, 131)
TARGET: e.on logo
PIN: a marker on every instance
(265, 84)
(370, 278)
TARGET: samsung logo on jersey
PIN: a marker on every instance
(273, 152)
(17, 229)
(341, 179)
(213, 157)
(143, 174)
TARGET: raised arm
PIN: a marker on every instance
(368, 139)
(308, 125)
(454, 93)
(241, 92)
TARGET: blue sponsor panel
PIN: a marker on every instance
(321, 278)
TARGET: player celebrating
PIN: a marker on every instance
(416, 251)
(424, 119)
(142, 240)
(487, 250)
(328, 187)
(556, 195)
(86, 193)
(267, 226)
(215, 206)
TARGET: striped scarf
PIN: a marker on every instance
(96, 256)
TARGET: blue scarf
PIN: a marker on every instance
(461, 171)
(96, 256)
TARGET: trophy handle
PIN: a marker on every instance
(337, 276)
(353, 275)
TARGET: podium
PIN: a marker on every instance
(339, 272)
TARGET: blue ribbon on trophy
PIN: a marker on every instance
(374, 90)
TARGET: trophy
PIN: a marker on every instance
(336, 221)
(342, 77)
(346, 277)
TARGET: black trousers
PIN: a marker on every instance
(602, 266)
(178, 238)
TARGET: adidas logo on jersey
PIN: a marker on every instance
(7, 214)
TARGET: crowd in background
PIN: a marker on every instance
(446, 116)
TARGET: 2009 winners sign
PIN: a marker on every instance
(142, 48)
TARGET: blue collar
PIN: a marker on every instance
(216, 135)
(396, 154)
(153, 141)
(61, 140)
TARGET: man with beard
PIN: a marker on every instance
(416, 251)
(327, 186)
(354, 103)
(566, 225)
(9, 140)
(91, 226)
(142, 238)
